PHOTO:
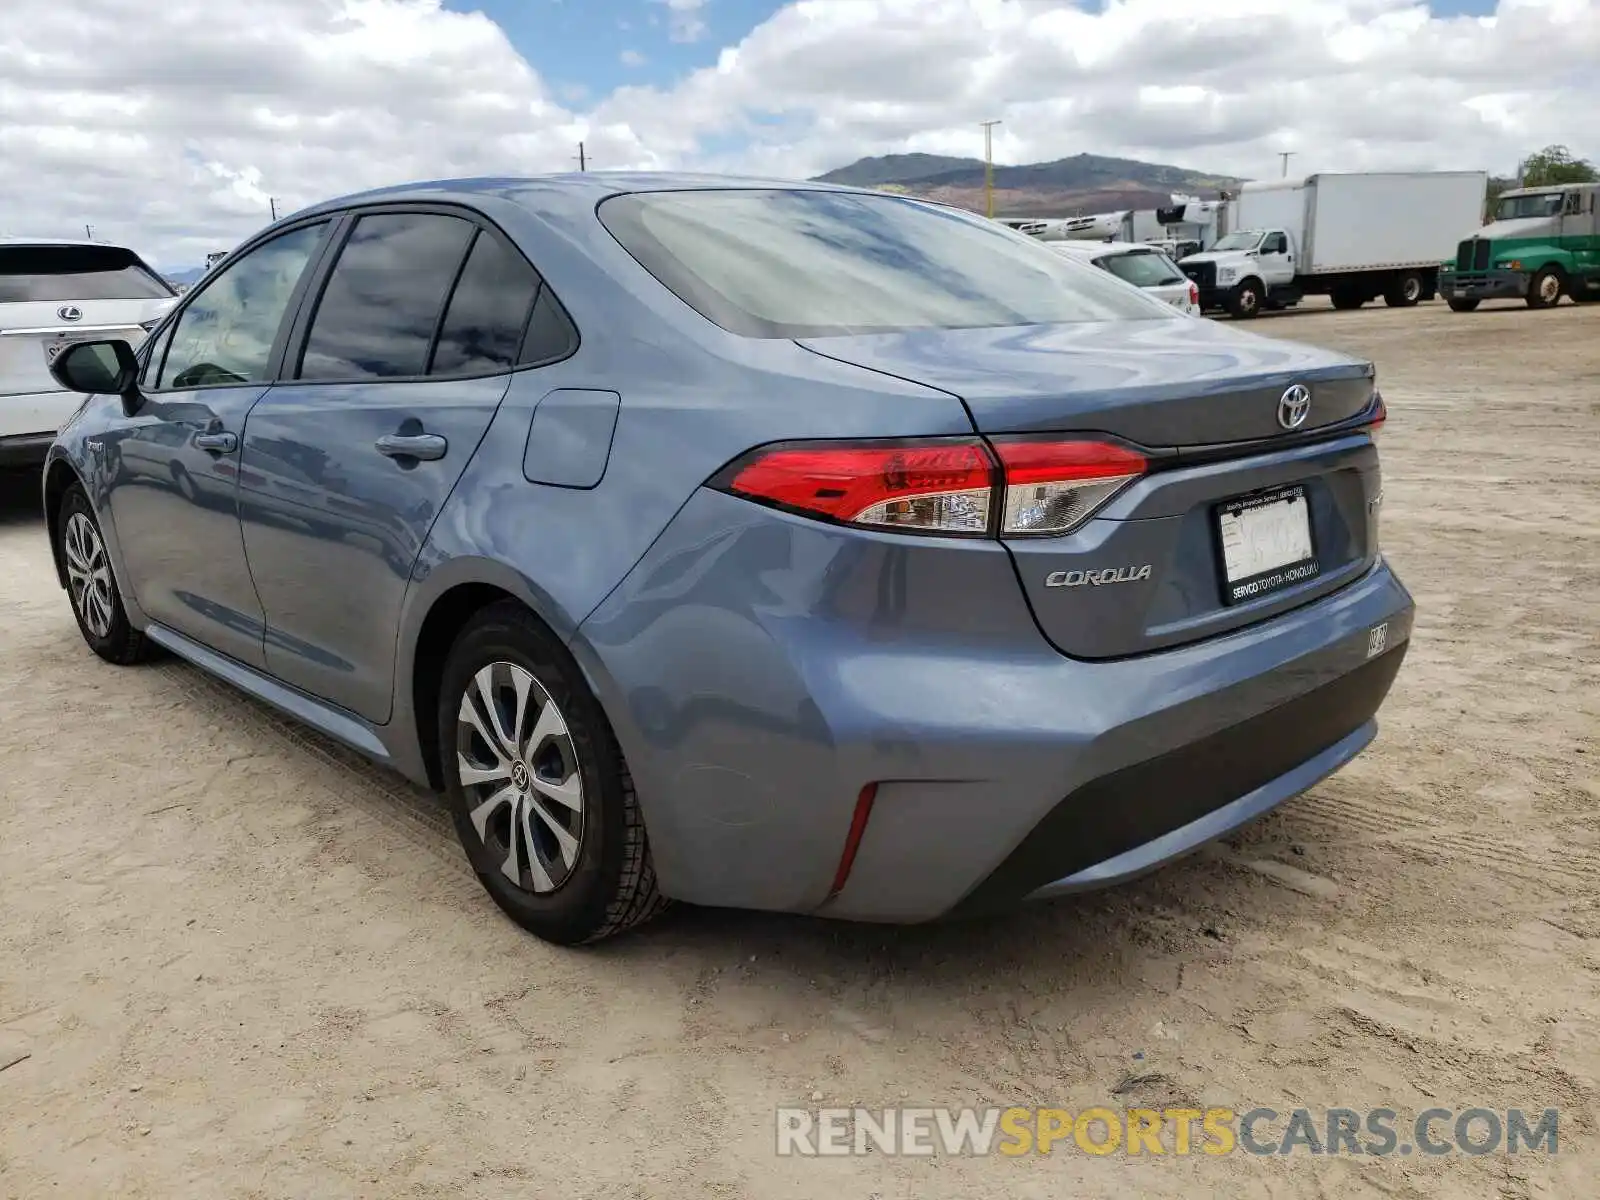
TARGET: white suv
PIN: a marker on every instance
(1142, 265)
(54, 293)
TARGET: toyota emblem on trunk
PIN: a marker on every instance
(1294, 406)
(68, 312)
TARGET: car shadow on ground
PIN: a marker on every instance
(21, 500)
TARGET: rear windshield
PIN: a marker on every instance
(76, 273)
(1146, 268)
(785, 264)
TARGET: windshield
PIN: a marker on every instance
(1512, 208)
(796, 263)
(54, 273)
(1143, 268)
(1244, 239)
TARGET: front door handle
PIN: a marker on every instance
(424, 446)
(217, 443)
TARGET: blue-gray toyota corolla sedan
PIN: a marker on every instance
(760, 544)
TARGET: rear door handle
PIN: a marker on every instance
(217, 443)
(424, 446)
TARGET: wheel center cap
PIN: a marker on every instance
(519, 776)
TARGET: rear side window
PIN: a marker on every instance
(780, 263)
(482, 329)
(1144, 269)
(57, 273)
(382, 303)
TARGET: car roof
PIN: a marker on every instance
(46, 241)
(572, 191)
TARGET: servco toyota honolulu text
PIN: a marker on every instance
(701, 539)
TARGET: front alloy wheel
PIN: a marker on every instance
(88, 574)
(520, 775)
(91, 584)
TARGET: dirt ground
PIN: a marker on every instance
(243, 964)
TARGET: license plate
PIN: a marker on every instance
(1266, 543)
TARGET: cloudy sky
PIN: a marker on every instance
(169, 123)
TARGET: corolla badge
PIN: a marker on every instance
(70, 312)
(1294, 406)
(1097, 578)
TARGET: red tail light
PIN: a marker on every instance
(936, 486)
(940, 485)
(1053, 486)
(1194, 293)
(1378, 418)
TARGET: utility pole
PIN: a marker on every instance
(583, 158)
(88, 233)
(1286, 155)
(272, 203)
(988, 167)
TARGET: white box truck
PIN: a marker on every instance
(1352, 237)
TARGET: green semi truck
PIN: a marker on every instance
(1544, 243)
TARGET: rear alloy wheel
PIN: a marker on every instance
(541, 798)
(1545, 290)
(1405, 291)
(1246, 301)
(92, 587)
(1463, 303)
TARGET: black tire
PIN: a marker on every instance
(1345, 301)
(1405, 292)
(1246, 302)
(184, 482)
(93, 592)
(1463, 303)
(610, 884)
(1542, 292)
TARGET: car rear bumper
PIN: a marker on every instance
(24, 450)
(27, 416)
(824, 662)
(1484, 285)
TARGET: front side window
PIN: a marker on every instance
(226, 333)
(1143, 268)
(784, 263)
(60, 273)
(384, 297)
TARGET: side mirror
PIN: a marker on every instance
(107, 368)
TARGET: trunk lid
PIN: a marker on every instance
(1236, 522)
(1161, 383)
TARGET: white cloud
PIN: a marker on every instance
(631, 58)
(171, 125)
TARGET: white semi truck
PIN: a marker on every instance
(1352, 237)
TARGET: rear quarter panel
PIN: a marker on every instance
(693, 397)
